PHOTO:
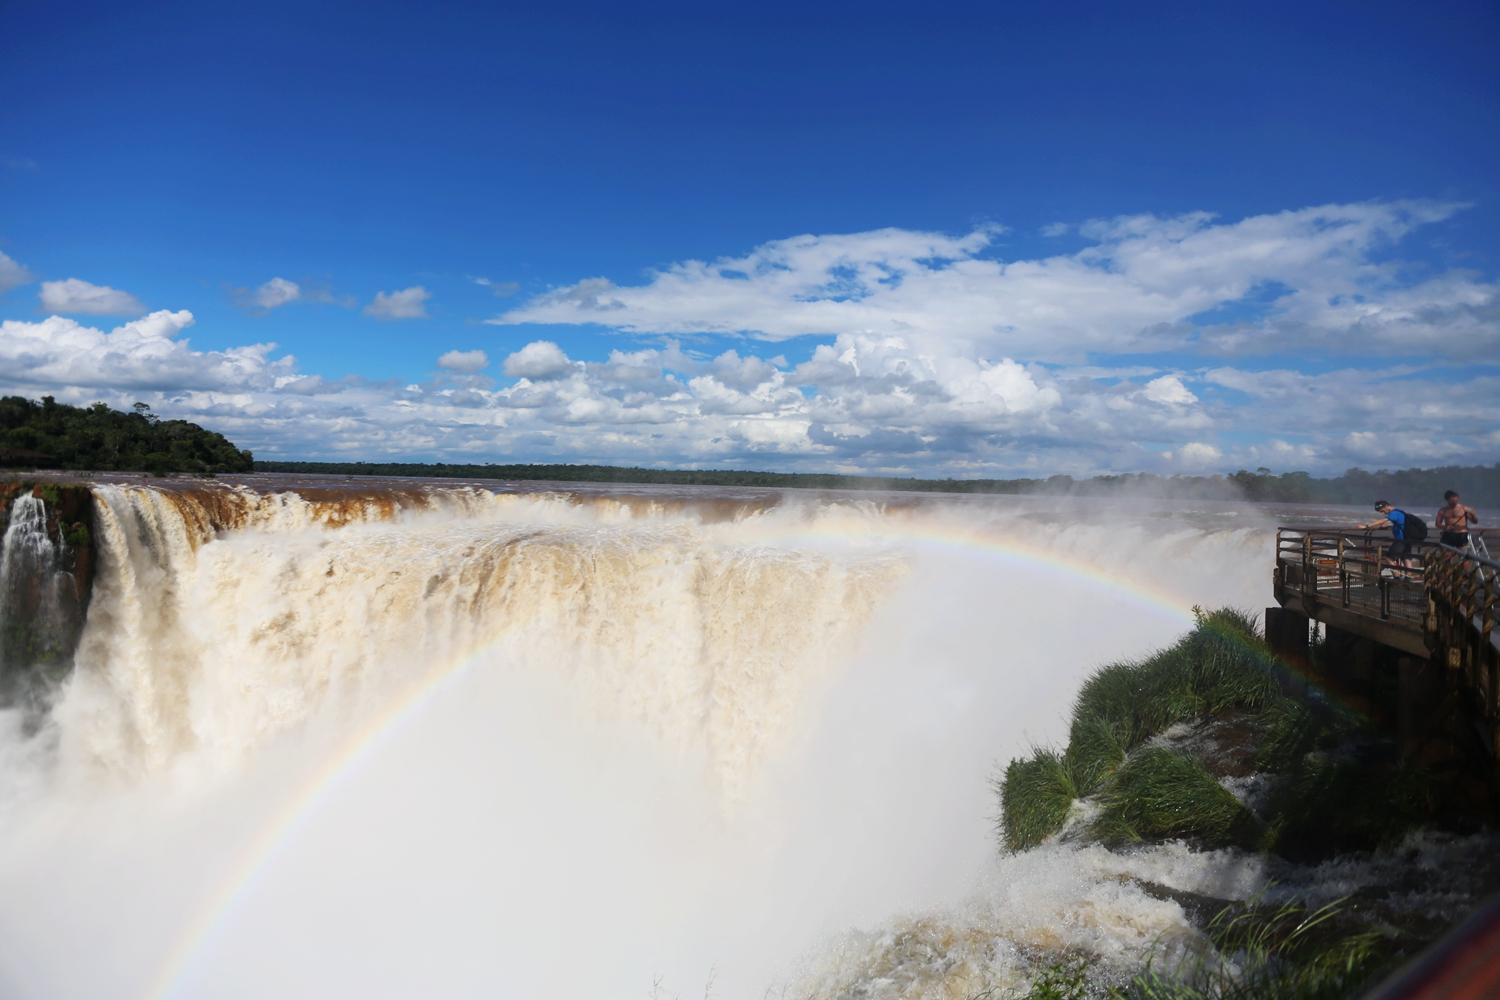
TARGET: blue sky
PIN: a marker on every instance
(954, 239)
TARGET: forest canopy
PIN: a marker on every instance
(47, 434)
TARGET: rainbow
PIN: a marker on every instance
(282, 828)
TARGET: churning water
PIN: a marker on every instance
(451, 743)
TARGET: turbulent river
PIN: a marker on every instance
(449, 742)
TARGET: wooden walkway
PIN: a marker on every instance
(1435, 604)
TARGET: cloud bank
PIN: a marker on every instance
(919, 354)
(1307, 280)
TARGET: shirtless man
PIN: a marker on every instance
(1454, 520)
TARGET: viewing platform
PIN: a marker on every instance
(1409, 635)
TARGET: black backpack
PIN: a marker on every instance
(1416, 528)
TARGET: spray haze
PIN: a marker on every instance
(443, 742)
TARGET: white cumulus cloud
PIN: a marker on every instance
(1169, 389)
(74, 295)
(277, 292)
(464, 361)
(540, 359)
(13, 274)
(59, 353)
(1197, 453)
(405, 304)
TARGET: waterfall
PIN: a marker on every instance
(392, 742)
(39, 615)
(205, 645)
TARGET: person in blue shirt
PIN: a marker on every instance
(1394, 519)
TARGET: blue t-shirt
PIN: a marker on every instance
(1398, 523)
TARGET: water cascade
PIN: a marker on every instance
(446, 742)
(42, 600)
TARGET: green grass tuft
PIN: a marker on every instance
(1141, 699)
(1288, 953)
(1329, 805)
(1166, 793)
(1096, 749)
(1221, 663)
(1035, 796)
(1232, 665)
(1068, 981)
(1291, 735)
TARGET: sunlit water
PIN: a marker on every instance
(450, 743)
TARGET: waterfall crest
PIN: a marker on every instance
(221, 618)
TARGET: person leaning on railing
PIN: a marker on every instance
(1453, 521)
(1394, 519)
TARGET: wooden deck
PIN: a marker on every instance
(1433, 603)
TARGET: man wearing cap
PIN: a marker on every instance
(1394, 519)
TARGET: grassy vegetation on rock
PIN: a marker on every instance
(1283, 953)
(1256, 952)
(1163, 792)
(1333, 783)
(1043, 788)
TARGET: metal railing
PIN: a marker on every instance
(1361, 572)
(1404, 586)
(1462, 592)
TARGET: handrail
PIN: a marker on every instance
(1354, 570)
(1428, 591)
(1426, 599)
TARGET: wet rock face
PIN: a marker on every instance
(46, 573)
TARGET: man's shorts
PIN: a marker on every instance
(1399, 549)
(1457, 539)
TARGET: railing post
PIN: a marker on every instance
(1343, 572)
(1308, 570)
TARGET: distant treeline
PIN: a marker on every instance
(52, 435)
(1479, 484)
